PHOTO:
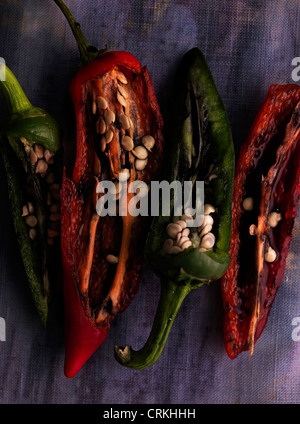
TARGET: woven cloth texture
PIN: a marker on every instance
(249, 45)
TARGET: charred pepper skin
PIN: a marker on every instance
(115, 107)
(25, 128)
(268, 171)
(200, 148)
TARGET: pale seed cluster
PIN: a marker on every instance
(273, 219)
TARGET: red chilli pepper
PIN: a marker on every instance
(265, 200)
(116, 110)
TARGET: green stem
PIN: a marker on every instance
(171, 297)
(15, 97)
(87, 52)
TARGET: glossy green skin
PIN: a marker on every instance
(195, 93)
(194, 77)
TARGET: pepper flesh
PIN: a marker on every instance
(199, 139)
(28, 126)
(96, 290)
(267, 169)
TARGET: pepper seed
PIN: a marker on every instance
(32, 233)
(121, 77)
(102, 103)
(248, 204)
(41, 167)
(121, 99)
(124, 121)
(140, 152)
(173, 229)
(270, 255)
(140, 164)
(109, 117)
(127, 143)
(25, 210)
(123, 91)
(112, 259)
(148, 141)
(31, 220)
(274, 218)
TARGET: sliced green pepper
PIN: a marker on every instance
(29, 140)
(200, 148)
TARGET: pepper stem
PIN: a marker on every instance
(16, 99)
(171, 297)
(87, 52)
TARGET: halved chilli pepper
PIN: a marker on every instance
(29, 140)
(119, 138)
(200, 148)
(265, 200)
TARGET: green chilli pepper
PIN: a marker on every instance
(29, 139)
(200, 148)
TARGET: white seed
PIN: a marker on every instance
(175, 250)
(121, 99)
(205, 230)
(124, 121)
(47, 155)
(30, 207)
(182, 241)
(123, 175)
(253, 230)
(140, 152)
(123, 91)
(109, 117)
(94, 108)
(186, 232)
(103, 144)
(33, 157)
(168, 244)
(208, 209)
(208, 240)
(273, 219)
(112, 259)
(186, 217)
(100, 126)
(39, 151)
(178, 237)
(148, 141)
(208, 219)
(127, 143)
(248, 204)
(186, 244)
(31, 220)
(25, 210)
(140, 164)
(202, 249)
(212, 177)
(173, 229)
(270, 255)
(101, 102)
(189, 213)
(109, 135)
(182, 223)
(32, 233)
(41, 167)
(121, 77)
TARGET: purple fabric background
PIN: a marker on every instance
(249, 45)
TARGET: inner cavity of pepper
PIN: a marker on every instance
(119, 135)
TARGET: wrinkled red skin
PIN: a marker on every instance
(237, 295)
(82, 335)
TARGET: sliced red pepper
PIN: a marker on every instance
(268, 173)
(96, 290)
